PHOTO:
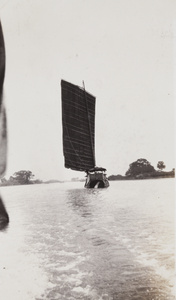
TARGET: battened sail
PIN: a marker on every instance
(78, 119)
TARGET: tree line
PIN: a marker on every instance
(20, 177)
(139, 169)
(142, 169)
(23, 177)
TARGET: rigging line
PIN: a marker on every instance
(93, 153)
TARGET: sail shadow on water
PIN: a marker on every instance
(4, 218)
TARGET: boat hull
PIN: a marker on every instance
(96, 180)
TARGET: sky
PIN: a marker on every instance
(123, 50)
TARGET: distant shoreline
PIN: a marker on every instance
(153, 175)
(156, 175)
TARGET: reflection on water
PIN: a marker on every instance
(74, 243)
(81, 200)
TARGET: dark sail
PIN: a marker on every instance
(78, 119)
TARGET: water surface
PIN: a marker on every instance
(67, 242)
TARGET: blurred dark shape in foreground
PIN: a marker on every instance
(4, 218)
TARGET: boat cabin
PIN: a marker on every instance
(96, 178)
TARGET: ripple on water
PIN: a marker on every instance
(114, 244)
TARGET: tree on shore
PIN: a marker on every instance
(141, 166)
(22, 177)
(161, 165)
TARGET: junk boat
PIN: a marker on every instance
(78, 121)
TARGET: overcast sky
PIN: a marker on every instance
(122, 49)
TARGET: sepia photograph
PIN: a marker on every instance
(87, 149)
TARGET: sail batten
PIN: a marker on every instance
(78, 119)
(77, 128)
(82, 107)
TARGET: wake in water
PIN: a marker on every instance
(102, 244)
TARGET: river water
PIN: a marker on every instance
(67, 242)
